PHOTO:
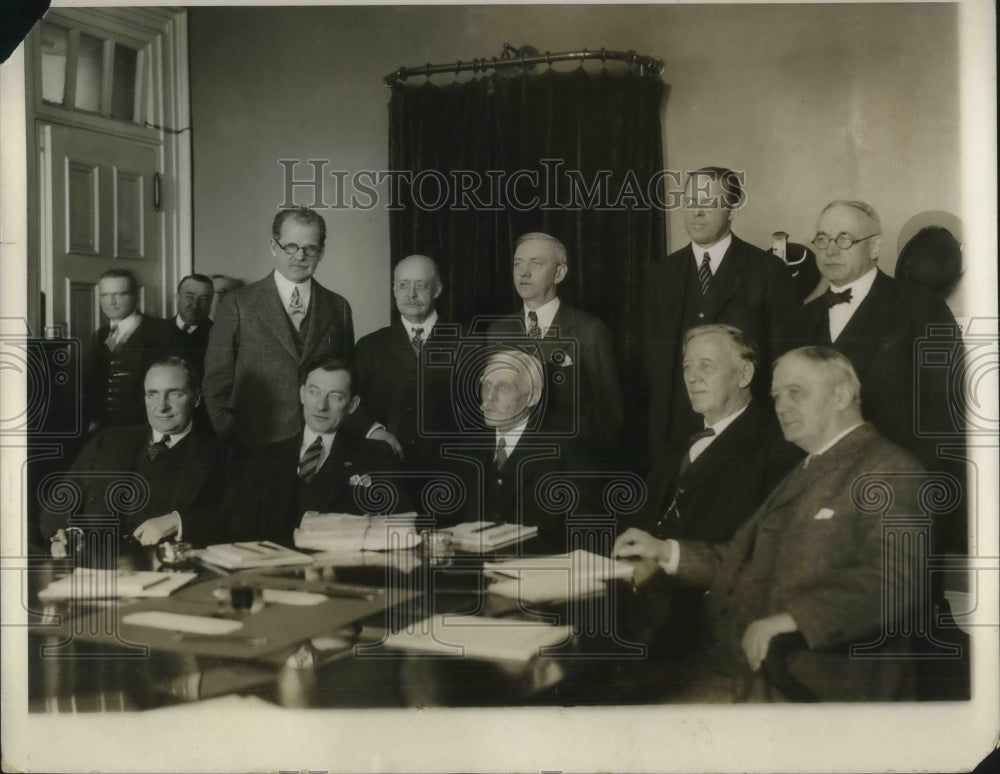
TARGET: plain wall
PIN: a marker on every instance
(813, 102)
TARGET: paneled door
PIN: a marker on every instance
(100, 192)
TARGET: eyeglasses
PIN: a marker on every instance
(310, 251)
(843, 241)
(422, 286)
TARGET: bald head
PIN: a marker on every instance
(416, 285)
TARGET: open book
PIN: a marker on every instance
(346, 532)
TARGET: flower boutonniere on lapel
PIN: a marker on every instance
(357, 480)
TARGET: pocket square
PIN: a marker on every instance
(366, 481)
(823, 513)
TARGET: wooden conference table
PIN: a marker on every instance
(338, 653)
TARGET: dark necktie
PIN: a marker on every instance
(673, 512)
(309, 463)
(111, 342)
(705, 273)
(534, 331)
(155, 448)
(695, 437)
(188, 327)
(831, 299)
(416, 341)
(501, 455)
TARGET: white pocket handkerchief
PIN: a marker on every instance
(823, 513)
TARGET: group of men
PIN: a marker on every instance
(241, 425)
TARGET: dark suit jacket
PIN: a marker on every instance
(266, 499)
(582, 397)
(188, 481)
(149, 341)
(879, 339)
(810, 551)
(191, 346)
(719, 491)
(395, 391)
(751, 290)
(251, 382)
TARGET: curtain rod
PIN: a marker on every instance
(526, 57)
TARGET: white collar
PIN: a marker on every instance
(175, 438)
(180, 324)
(833, 441)
(725, 422)
(126, 326)
(309, 436)
(546, 314)
(426, 326)
(512, 436)
(715, 253)
(860, 287)
(285, 287)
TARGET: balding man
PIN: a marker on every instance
(876, 321)
(582, 381)
(395, 390)
(812, 558)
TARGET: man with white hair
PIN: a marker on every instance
(812, 558)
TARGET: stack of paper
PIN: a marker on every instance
(554, 578)
(345, 532)
(260, 553)
(85, 583)
(483, 536)
(470, 636)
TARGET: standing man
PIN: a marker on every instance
(180, 461)
(717, 278)
(583, 394)
(120, 354)
(394, 389)
(264, 332)
(192, 324)
(812, 558)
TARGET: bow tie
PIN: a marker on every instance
(831, 299)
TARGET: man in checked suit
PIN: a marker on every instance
(813, 558)
(718, 278)
(320, 468)
(180, 460)
(265, 331)
(584, 397)
(394, 390)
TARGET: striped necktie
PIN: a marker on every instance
(534, 331)
(295, 310)
(111, 342)
(705, 273)
(416, 341)
(155, 449)
(310, 461)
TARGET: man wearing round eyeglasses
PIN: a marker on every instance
(265, 331)
(877, 321)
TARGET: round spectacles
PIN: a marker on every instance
(310, 251)
(843, 241)
(421, 286)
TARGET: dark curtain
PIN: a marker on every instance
(600, 129)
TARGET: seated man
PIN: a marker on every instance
(178, 459)
(319, 469)
(809, 560)
(520, 453)
(710, 486)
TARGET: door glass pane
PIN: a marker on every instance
(55, 47)
(89, 64)
(123, 82)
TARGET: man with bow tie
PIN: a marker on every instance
(121, 353)
(264, 332)
(584, 395)
(179, 460)
(717, 278)
(814, 558)
(413, 403)
(877, 321)
(321, 468)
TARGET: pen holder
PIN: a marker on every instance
(245, 598)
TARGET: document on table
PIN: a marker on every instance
(347, 532)
(253, 553)
(482, 536)
(554, 578)
(469, 636)
(87, 583)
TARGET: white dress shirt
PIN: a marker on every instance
(703, 443)
(840, 314)
(180, 324)
(546, 314)
(512, 436)
(715, 253)
(126, 327)
(285, 287)
(175, 438)
(427, 326)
